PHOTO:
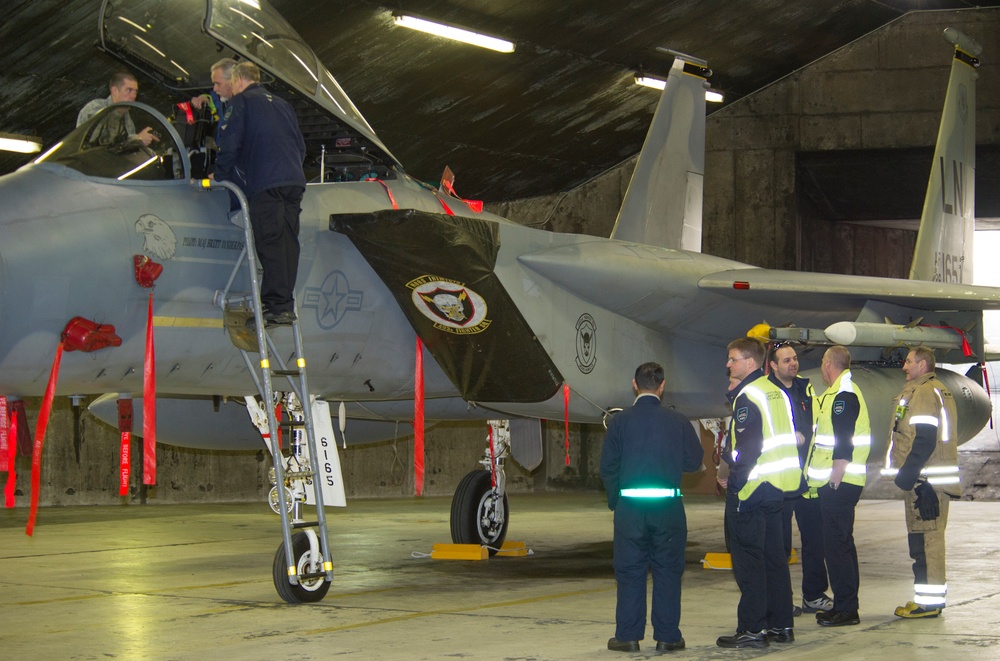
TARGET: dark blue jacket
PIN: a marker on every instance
(648, 446)
(260, 144)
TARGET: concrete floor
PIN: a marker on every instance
(189, 582)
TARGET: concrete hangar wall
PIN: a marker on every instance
(882, 91)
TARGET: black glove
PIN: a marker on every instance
(927, 501)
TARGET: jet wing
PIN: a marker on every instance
(824, 291)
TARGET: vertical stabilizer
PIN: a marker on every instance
(944, 243)
(662, 205)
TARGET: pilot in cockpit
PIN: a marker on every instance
(123, 87)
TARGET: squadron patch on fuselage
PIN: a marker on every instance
(586, 343)
(453, 307)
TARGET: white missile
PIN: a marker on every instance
(850, 333)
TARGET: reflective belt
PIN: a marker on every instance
(650, 493)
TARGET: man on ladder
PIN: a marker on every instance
(261, 149)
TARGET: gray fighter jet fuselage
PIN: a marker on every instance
(507, 313)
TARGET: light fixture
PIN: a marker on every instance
(22, 144)
(646, 81)
(454, 33)
(711, 95)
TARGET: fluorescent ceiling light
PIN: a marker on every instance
(646, 81)
(454, 33)
(22, 144)
(712, 96)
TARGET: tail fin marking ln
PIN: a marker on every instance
(943, 251)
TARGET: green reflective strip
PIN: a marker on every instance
(651, 493)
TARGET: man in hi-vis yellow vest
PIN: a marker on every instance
(835, 468)
(763, 466)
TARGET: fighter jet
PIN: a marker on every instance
(514, 322)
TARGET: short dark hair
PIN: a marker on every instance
(118, 78)
(648, 376)
(749, 347)
(925, 354)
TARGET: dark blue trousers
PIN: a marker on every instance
(649, 534)
(274, 215)
(760, 567)
(809, 518)
(838, 539)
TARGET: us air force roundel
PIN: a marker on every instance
(453, 307)
(839, 406)
(742, 414)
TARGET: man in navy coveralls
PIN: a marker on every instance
(645, 450)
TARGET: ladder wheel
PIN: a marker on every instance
(306, 592)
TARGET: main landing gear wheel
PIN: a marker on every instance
(309, 591)
(478, 516)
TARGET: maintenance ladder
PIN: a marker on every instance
(262, 374)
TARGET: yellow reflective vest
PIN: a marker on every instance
(926, 400)
(819, 464)
(778, 463)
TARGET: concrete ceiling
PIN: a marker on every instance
(560, 110)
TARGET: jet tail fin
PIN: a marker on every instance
(943, 251)
(663, 203)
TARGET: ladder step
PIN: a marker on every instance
(309, 577)
(305, 524)
(292, 424)
(286, 372)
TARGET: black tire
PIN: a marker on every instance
(310, 592)
(475, 518)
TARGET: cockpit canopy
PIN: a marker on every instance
(107, 146)
(176, 42)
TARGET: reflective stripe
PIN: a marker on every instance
(890, 472)
(929, 588)
(825, 440)
(650, 493)
(946, 428)
(934, 602)
(788, 463)
(939, 470)
(924, 420)
(777, 441)
(822, 474)
(856, 469)
(944, 480)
